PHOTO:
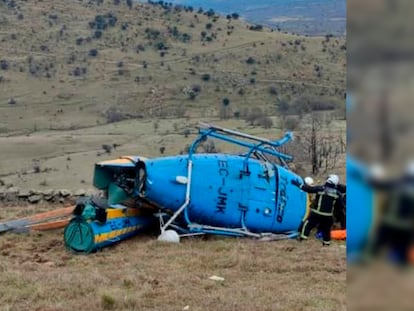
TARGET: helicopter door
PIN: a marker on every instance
(262, 196)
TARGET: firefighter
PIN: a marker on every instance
(322, 209)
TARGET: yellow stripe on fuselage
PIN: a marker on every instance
(112, 213)
(98, 238)
(308, 205)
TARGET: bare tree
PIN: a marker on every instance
(316, 146)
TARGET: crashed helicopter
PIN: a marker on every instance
(241, 195)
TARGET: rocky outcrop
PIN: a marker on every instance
(11, 194)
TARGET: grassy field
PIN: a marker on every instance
(66, 158)
(38, 273)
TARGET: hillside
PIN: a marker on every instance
(134, 74)
(51, 80)
(314, 18)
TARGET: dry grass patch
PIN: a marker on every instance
(38, 273)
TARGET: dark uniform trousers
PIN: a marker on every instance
(314, 219)
(321, 214)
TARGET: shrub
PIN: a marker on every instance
(250, 60)
(273, 90)
(77, 72)
(256, 27)
(235, 15)
(108, 302)
(140, 47)
(4, 64)
(206, 77)
(196, 88)
(210, 13)
(93, 52)
(124, 26)
(97, 34)
(226, 102)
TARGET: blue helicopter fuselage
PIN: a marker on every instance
(226, 193)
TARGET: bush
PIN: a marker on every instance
(4, 64)
(209, 26)
(210, 13)
(196, 88)
(235, 15)
(273, 90)
(77, 72)
(226, 102)
(140, 47)
(93, 52)
(161, 46)
(250, 60)
(97, 34)
(206, 77)
(256, 27)
(124, 26)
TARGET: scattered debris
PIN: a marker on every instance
(216, 278)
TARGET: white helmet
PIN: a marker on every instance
(309, 180)
(333, 179)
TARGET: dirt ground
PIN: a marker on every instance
(38, 273)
